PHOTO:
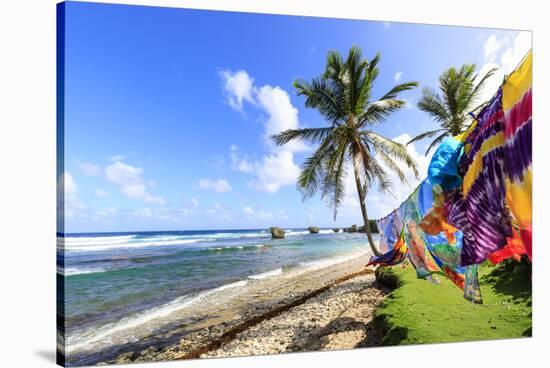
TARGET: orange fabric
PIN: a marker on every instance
(513, 249)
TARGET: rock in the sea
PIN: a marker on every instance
(336, 229)
(277, 232)
(313, 230)
(351, 229)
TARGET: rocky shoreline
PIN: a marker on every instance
(334, 314)
(338, 318)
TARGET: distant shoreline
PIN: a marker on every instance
(107, 233)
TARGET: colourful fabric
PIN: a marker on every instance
(426, 239)
(479, 209)
(396, 255)
(443, 168)
(389, 234)
(478, 180)
(514, 248)
(517, 106)
(413, 209)
(472, 292)
(444, 241)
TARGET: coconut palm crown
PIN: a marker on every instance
(459, 93)
(343, 96)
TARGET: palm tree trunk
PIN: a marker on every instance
(366, 224)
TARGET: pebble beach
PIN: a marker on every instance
(328, 309)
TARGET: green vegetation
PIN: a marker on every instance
(460, 90)
(343, 96)
(418, 311)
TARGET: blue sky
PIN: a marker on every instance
(167, 111)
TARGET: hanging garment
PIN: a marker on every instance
(389, 234)
(517, 106)
(479, 210)
(472, 292)
(443, 168)
(418, 254)
(514, 248)
(444, 241)
(396, 255)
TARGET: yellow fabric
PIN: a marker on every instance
(517, 83)
(475, 168)
(519, 198)
(462, 136)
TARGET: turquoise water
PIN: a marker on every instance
(119, 279)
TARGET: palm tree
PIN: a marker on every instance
(459, 94)
(342, 95)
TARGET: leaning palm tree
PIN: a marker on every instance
(460, 90)
(342, 95)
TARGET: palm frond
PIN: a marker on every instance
(428, 134)
(379, 111)
(391, 148)
(312, 169)
(312, 135)
(481, 84)
(432, 104)
(436, 142)
(320, 97)
(392, 93)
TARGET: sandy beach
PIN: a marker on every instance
(322, 309)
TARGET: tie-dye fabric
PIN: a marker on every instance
(517, 106)
(431, 244)
(461, 215)
(480, 211)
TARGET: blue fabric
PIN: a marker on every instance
(443, 169)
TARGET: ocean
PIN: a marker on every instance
(121, 288)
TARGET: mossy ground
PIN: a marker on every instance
(418, 311)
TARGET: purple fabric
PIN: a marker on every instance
(481, 214)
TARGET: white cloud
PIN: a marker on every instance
(130, 181)
(491, 47)
(397, 77)
(217, 185)
(100, 193)
(238, 163)
(90, 169)
(511, 50)
(277, 167)
(282, 115)
(276, 170)
(512, 56)
(491, 85)
(238, 87)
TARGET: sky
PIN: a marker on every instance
(168, 112)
